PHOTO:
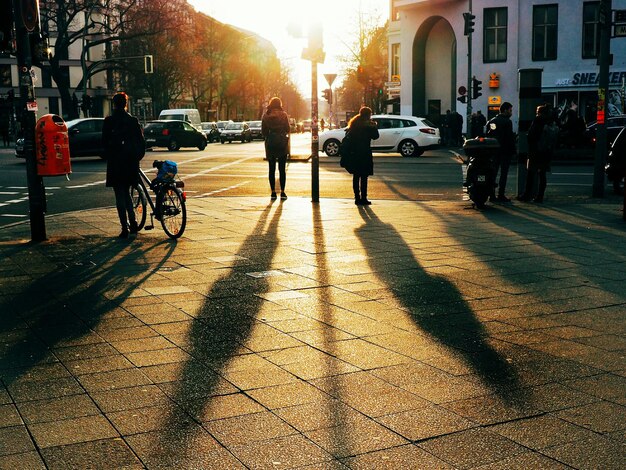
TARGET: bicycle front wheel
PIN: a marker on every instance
(138, 196)
(173, 211)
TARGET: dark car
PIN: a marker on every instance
(236, 131)
(211, 132)
(614, 124)
(173, 135)
(255, 130)
(84, 135)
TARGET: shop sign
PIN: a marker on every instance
(583, 79)
(494, 100)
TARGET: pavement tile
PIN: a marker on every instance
(151, 418)
(590, 454)
(89, 351)
(541, 431)
(150, 343)
(283, 452)
(15, 439)
(105, 453)
(225, 406)
(161, 356)
(291, 394)
(606, 342)
(9, 416)
(99, 364)
(53, 388)
(71, 431)
(471, 448)
(23, 461)
(355, 437)
(405, 456)
(552, 397)
(601, 417)
(524, 461)
(130, 398)
(324, 413)
(606, 386)
(494, 408)
(248, 428)
(73, 406)
(425, 422)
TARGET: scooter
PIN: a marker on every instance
(481, 175)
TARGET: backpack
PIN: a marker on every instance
(549, 138)
(167, 171)
(346, 149)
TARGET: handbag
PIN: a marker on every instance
(277, 140)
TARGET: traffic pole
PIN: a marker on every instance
(27, 23)
(315, 141)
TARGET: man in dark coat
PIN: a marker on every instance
(124, 147)
(501, 128)
(361, 130)
(275, 129)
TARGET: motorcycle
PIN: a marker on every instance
(481, 175)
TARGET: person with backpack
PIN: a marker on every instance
(275, 129)
(542, 141)
(124, 146)
(501, 128)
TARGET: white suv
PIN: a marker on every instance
(408, 135)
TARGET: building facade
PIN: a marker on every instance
(428, 52)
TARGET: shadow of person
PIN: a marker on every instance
(69, 287)
(215, 337)
(436, 306)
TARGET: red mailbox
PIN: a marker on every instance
(52, 146)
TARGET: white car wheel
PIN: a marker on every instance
(331, 147)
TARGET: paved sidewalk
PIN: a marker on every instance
(292, 335)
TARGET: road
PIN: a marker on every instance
(239, 170)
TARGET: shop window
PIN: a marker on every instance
(494, 34)
(5, 75)
(591, 30)
(545, 32)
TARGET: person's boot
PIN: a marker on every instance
(133, 227)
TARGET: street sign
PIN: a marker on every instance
(462, 90)
(493, 100)
(395, 78)
(392, 84)
(330, 78)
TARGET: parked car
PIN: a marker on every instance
(408, 135)
(211, 132)
(84, 135)
(221, 125)
(614, 124)
(306, 125)
(255, 130)
(173, 135)
(236, 131)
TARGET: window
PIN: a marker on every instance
(5, 75)
(395, 59)
(545, 22)
(591, 30)
(495, 34)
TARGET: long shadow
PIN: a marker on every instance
(436, 305)
(63, 293)
(218, 333)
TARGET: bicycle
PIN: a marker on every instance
(169, 208)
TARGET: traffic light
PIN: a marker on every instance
(476, 87)
(463, 93)
(380, 92)
(328, 95)
(6, 26)
(468, 19)
(148, 66)
(360, 74)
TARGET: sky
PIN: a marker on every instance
(270, 19)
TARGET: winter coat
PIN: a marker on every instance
(124, 147)
(275, 121)
(361, 135)
(501, 128)
(537, 160)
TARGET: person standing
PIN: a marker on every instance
(275, 130)
(481, 122)
(361, 130)
(124, 147)
(501, 128)
(540, 148)
(446, 122)
(457, 129)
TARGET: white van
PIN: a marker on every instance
(192, 116)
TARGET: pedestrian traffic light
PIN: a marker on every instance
(380, 92)
(328, 95)
(148, 64)
(468, 19)
(463, 93)
(476, 87)
(6, 26)
(462, 99)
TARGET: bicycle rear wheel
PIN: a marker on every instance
(139, 198)
(173, 211)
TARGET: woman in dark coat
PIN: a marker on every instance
(124, 147)
(361, 131)
(275, 129)
(538, 159)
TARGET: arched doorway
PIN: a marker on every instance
(434, 67)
